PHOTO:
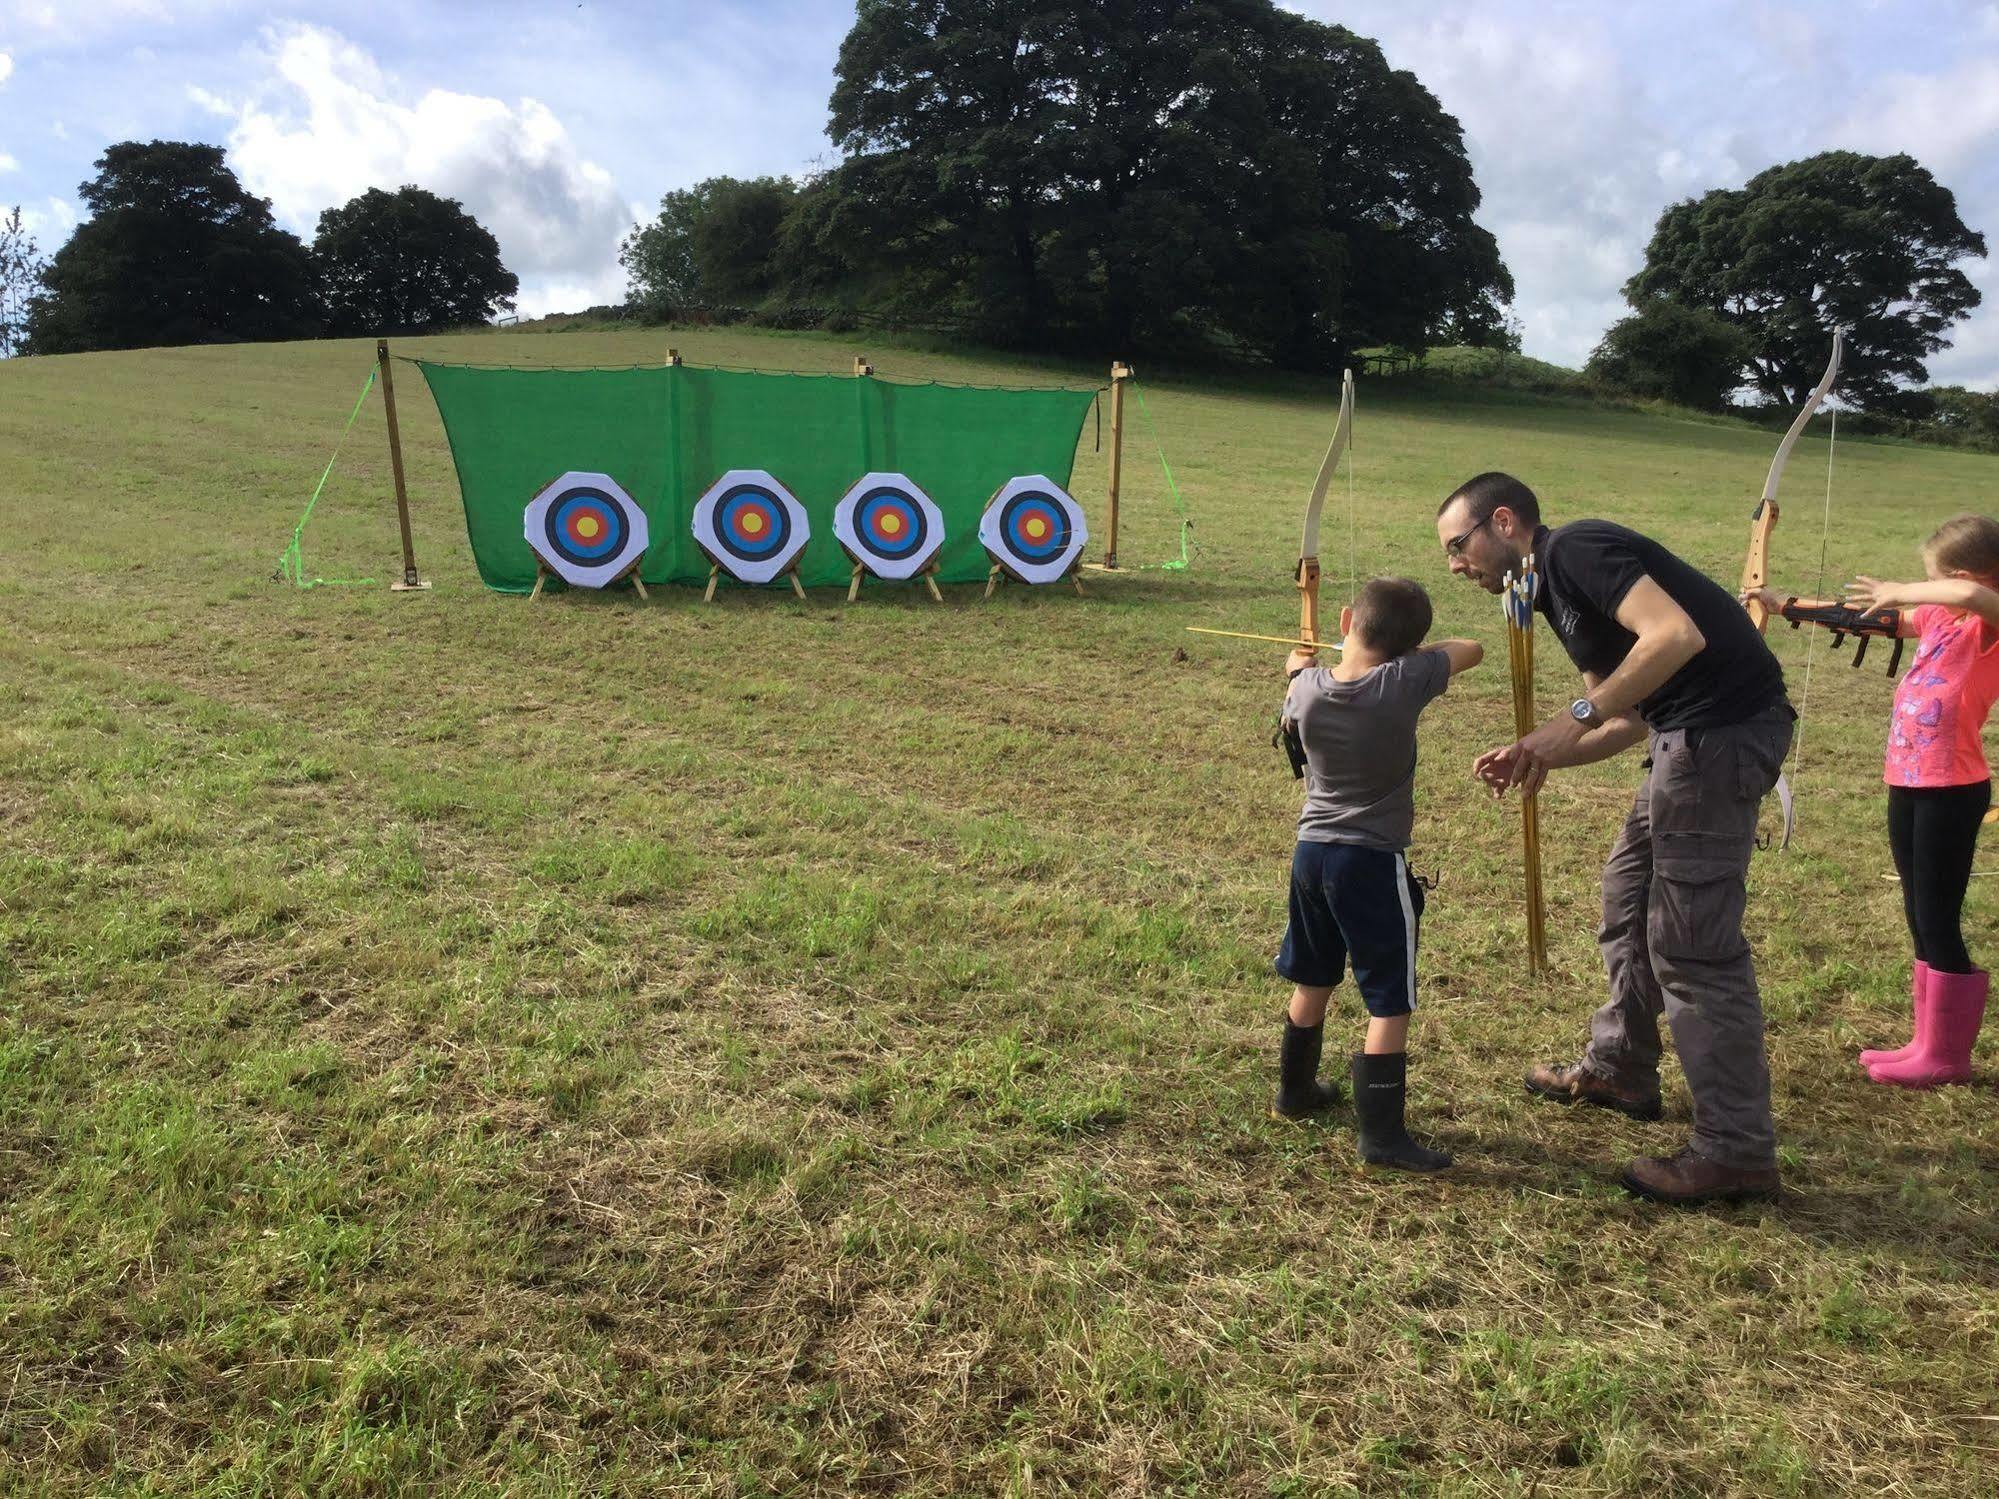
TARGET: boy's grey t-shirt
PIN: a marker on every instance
(1360, 748)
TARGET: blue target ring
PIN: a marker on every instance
(893, 524)
(752, 523)
(1035, 526)
(584, 527)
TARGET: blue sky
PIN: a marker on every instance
(558, 124)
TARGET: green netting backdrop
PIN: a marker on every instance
(666, 434)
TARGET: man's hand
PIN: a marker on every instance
(1298, 660)
(1769, 598)
(1526, 762)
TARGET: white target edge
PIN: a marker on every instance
(773, 566)
(534, 521)
(1053, 571)
(895, 569)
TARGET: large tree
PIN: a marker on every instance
(21, 268)
(175, 252)
(1864, 243)
(719, 241)
(408, 262)
(1137, 169)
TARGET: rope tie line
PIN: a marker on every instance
(291, 562)
(1177, 564)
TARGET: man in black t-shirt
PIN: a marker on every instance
(1668, 656)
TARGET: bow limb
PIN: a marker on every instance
(1308, 544)
(1762, 521)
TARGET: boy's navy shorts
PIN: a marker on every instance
(1353, 905)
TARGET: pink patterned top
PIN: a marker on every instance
(1937, 736)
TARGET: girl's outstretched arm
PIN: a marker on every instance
(1952, 593)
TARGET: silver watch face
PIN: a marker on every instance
(1583, 710)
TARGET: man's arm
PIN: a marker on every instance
(1613, 736)
(1667, 639)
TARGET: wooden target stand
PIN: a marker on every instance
(1120, 372)
(927, 574)
(999, 575)
(715, 576)
(542, 575)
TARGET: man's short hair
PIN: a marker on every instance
(1391, 615)
(1495, 491)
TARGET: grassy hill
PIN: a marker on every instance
(588, 1047)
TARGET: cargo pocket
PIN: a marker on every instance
(1697, 898)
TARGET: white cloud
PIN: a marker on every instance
(6, 66)
(7, 163)
(1948, 121)
(327, 124)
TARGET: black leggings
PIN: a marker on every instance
(1932, 832)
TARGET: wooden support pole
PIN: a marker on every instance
(1120, 372)
(673, 359)
(862, 367)
(411, 583)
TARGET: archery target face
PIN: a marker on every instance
(750, 525)
(586, 529)
(1033, 529)
(889, 526)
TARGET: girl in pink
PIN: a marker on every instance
(1939, 785)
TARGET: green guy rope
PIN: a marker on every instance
(291, 562)
(1178, 564)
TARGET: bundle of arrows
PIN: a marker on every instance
(1517, 597)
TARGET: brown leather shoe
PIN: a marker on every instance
(1575, 1083)
(1690, 1178)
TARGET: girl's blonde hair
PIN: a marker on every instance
(1965, 543)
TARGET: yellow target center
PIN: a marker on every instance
(891, 525)
(1036, 528)
(753, 524)
(587, 527)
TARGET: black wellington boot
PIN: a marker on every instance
(1300, 1094)
(1380, 1089)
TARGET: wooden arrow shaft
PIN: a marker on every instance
(1329, 645)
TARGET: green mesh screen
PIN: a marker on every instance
(666, 434)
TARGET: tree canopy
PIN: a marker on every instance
(408, 262)
(1127, 172)
(1864, 243)
(175, 252)
(21, 267)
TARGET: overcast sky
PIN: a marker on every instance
(559, 124)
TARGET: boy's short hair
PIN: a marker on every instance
(1391, 615)
(1486, 493)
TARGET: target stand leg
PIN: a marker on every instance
(540, 577)
(994, 578)
(929, 576)
(714, 574)
(632, 574)
(1076, 577)
(796, 587)
(854, 584)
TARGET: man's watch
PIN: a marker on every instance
(1583, 711)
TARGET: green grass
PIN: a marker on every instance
(460, 1046)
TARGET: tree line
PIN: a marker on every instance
(1216, 178)
(177, 251)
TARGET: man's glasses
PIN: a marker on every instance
(1455, 547)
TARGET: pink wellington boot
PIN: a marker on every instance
(1919, 1003)
(1957, 1010)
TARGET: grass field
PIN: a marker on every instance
(451, 1045)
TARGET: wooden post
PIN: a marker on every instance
(673, 358)
(1120, 372)
(411, 583)
(862, 367)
